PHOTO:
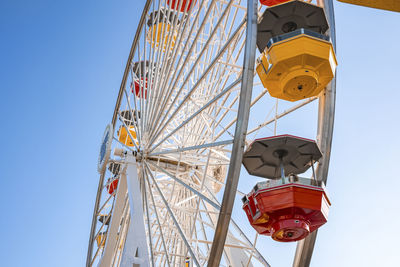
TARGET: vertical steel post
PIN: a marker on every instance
(240, 137)
(326, 117)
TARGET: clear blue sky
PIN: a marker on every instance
(61, 63)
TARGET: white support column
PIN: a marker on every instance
(112, 236)
(135, 251)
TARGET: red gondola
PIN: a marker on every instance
(287, 212)
(143, 84)
(142, 71)
(272, 2)
(112, 185)
(285, 207)
(175, 4)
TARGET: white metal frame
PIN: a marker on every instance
(191, 132)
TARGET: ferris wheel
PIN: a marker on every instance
(196, 96)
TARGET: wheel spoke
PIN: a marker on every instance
(220, 143)
(226, 90)
(278, 116)
(186, 186)
(173, 217)
(210, 66)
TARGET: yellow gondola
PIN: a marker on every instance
(391, 5)
(122, 133)
(160, 28)
(124, 137)
(101, 239)
(297, 65)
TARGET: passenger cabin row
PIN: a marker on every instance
(297, 62)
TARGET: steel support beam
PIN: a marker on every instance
(326, 117)
(240, 137)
